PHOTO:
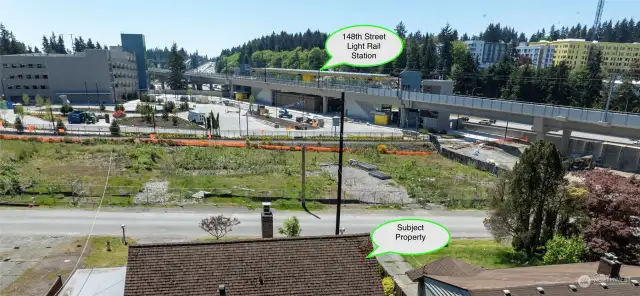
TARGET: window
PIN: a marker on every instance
(5, 65)
(36, 76)
(39, 66)
(10, 87)
(30, 65)
(18, 87)
(43, 86)
(22, 65)
(28, 76)
(12, 76)
(26, 87)
(45, 76)
(13, 66)
(20, 76)
(34, 87)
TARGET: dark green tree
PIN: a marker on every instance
(525, 204)
(400, 63)
(177, 67)
(445, 61)
(429, 56)
(465, 75)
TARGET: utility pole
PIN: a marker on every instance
(73, 50)
(340, 152)
(303, 174)
(97, 94)
(86, 92)
(612, 83)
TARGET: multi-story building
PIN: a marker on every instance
(487, 53)
(92, 76)
(134, 43)
(616, 57)
(541, 54)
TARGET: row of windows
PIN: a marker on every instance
(17, 86)
(29, 76)
(23, 66)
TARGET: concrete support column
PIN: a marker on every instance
(403, 117)
(565, 143)
(199, 86)
(163, 84)
(539, 128)
(210, 86)
(325, 105)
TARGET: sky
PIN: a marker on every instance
(212, 25)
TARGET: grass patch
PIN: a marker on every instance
(99, 257)
(485, 253)
(160, 122)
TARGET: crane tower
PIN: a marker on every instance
(596, 21)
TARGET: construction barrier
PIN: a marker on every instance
(202, 143)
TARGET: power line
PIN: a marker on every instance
(95, 218)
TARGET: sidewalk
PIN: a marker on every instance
(396, 267)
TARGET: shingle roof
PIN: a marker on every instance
(326, 265)
(618, 289)
(445, 267)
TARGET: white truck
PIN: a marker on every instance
(197, 117)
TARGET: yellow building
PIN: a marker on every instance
(616, 57)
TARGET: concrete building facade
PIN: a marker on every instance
(135, 43)
(541, 54)
(91, 77)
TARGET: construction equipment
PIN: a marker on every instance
(79, 117)
(580, 163)
(284, 113)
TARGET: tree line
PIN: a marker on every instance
(444, 55)
(159, 58)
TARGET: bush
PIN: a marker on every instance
(184, 106)
(119, 114)
(9, 182)
(562, 250)
(389, 286)
(115, 128)
(66, 109)
(169, 106)
(18, 125)
(382, 148)
(102, 107)
(119, 107)
(60, 126)
(174, 119)
(291, 227)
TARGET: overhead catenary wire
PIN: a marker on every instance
(95, 218)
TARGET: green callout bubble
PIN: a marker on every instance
(362, 46)
(409, 236)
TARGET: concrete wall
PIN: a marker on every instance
(618, 157)
(262, 95)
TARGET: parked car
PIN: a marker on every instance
(486, 121)
(464, 118)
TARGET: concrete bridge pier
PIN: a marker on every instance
(325, 105)
(262, 95)
(199, 86)
(565, 147)
(210, 86)
(539, 128)
(162, 84)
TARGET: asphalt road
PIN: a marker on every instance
(183, 223)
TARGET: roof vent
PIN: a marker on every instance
(573, 288)
(540, 290)
(222, 290)
(635, 282)
(604, 285)
(506, 292)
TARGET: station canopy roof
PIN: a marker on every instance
(336, 73)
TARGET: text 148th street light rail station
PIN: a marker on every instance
(355, 46)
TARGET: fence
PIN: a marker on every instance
(159, 193)
(72, 130)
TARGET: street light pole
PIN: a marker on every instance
(340, 153)
(124, 237)
(86, 92)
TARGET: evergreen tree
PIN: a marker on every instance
(593, 91)
(90, 44)
(98, 46)
(430, 57)
(177, 67)
(400, 63)
(60, 45)
(445, 61)
(465, 75)
(413, 55)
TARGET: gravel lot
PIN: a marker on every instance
(357, 184)
(153, 192)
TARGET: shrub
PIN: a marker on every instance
(184, 106)
(115, 128)
(60, 126)
(66, 109)
(291, 227)
(169, 106)
(9, 182)
(119, 107)
(382, 148)
(119, 114)
(389, 286)
(18, 125)
(165, 114)
(102, 107)
(174, 119)
(562, 250)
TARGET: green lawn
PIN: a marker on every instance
(485, 253)
(99, 257)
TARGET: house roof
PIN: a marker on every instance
(334, 265)
(524, 281)
(445, 267)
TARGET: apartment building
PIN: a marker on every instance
(541, 55)
(91, 77)
(616, 57)
(487, 53)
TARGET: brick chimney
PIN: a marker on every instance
(267, 220)
(609, 266)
